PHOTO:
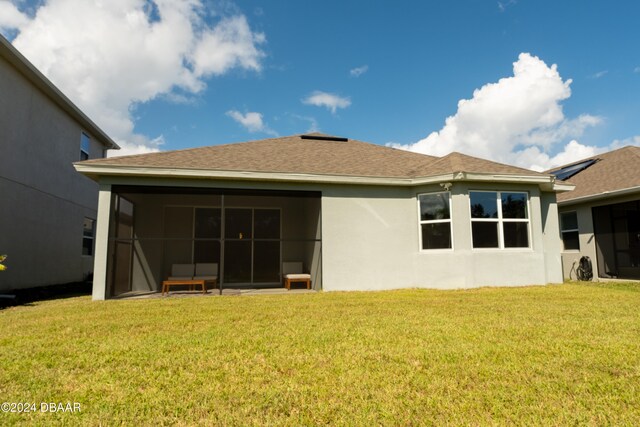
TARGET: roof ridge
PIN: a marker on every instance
(186, 150)
(496, 163)
(634, 149)
(438, 160)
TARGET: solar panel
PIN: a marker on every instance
(569, 171)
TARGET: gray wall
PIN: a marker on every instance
(370, 238)
(587, 237)
(43, 199)
(371, 241)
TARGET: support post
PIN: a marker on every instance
(102, 244)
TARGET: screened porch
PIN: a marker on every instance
(248, 234)
(617, 231)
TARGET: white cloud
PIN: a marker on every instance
(619, 143)
(636, 70)
(230, 44)
(329, 100)
(357, 72)
(567, 128)
(503, 5)
(539, 160)
(110, 56)
(517, 120)
(10, 16)
(138, 144)
(251, 121)
(313, 123)
(599, 74)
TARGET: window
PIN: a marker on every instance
(85, 144)
(435, 220)
(499, 219)
(569, 231)
(88, 233)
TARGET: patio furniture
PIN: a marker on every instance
(292, 273)
(182, 275)
(207, 272)
(181, 272)
(166, 285)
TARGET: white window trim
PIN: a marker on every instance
(500, 220)
(571, 230)
(435, 221)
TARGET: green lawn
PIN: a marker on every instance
(564, 354)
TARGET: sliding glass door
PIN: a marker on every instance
(238, 233)
(251, 245)
(207, 229)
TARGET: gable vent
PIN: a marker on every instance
(324, 138)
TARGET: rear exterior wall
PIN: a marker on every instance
(371, 241)
(371, 237)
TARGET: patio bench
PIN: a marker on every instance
(183, 275)
(292, 273)
(166, 284)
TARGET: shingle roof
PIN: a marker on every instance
(612, 171)
(303, 155)
(458, 162)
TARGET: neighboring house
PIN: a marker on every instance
(601, 217)
(47, 210)
(358, 216)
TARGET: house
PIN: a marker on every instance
(47, 210)
(601, 217)
(359, 216)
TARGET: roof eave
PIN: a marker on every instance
(94, 171)
(545, 182)
(600, 196)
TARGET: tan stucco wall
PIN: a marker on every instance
(44, 200)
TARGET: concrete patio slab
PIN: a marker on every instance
(213, 292)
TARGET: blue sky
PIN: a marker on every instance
(389, 73)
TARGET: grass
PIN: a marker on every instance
(564, 354)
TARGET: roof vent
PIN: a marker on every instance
(324, 138)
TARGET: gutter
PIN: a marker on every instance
(94, 171)
(600, 196)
